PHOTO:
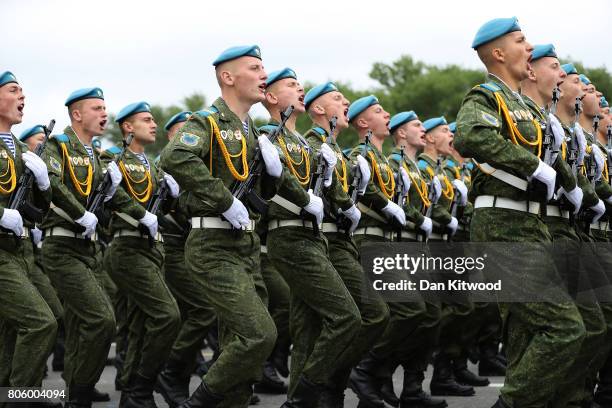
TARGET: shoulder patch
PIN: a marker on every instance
(189, 139)
(61, 138)
(490, 87)
(55, 164)
(423, 164)
(490, 119)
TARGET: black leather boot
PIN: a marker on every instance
(79, 396)
(99, 396)
(306, 395)
(173, 384)
(331, 398)
(270, 382)
(413, 396)
(202, 397)
(465, 376)
(280, 356)
(140, 394)
(443, 381)
(500, 404)
(366, 380)
(388, 393)
(492, 363)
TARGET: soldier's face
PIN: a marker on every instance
(548, 74)
(35, 140)
(414, 133)
(377, 120)
(174, 129)
(517, 52)
(335, 104)
(12, 102)
(570, 90)
(443, 139)
(590, 103)
(92, 115)
(605, 118)
(289, 91)
(250, 79)
(143, 126)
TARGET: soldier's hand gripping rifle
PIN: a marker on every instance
(317, 179)
(19, 198)
(95, 203)
(590, 163)
(160, 195)
(609, 152)
(548, 144)
(399, 197)
(245, 190)
(572, 149)
(431, 197)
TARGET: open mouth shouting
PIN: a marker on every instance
(301, 99)
(20, 108)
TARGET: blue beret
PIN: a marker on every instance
(132, 109)
(96, 143)
(360, 105)
(178, 118)
(543, 50)
(31, 132)
(432, 123)
(237, 52)
(452, 127)
(494, 29)
(85, 93)
(7, 77)
(317, 91)
(280, 74)
(569, 69)
(585, 80)
(603, 102)
(401, 118)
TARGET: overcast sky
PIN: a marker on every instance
(161, 51)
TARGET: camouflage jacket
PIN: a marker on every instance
(441, 210)
(417, 194)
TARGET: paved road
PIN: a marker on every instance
(485, 396)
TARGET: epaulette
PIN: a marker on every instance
(207, 112)
(423, 165)
(267, 128)
(156, 160)
(347, 151)
(396, 156)
(470, 166)
(449, 163)
(490, 86)
(320, 131)
(62, 138)
(113, 150)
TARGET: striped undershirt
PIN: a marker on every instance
(7, 138)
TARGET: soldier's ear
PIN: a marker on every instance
(498, 55)
(362, 123)
(318, 109)
(531, 75)
(271, 98)
(226, 78)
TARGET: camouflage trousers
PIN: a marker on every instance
(152, 313)
(374, 312)
(42, 282)
(27, 324)
(197, 316)
(225, 268)
(324, 317)
(88, 314)
(542, 339)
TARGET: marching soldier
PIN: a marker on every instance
(175, 123)
(136, 260)
(324, 317)
(69, 253)
(323, 103)
(210, 153)
(542, 338)
(27, 324)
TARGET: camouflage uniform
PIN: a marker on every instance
(223, 263)
(539, 354)
(27, 324)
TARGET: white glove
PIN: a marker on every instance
(598, 208)
(315, 207)
(452, 225)
(426, 226)
(557, 131)
(270, 157)
(237, 215)
(38, 169)
(609, 200)
(364, 169)
(116, 177)
(393, 210)
(353, 214)
(546, 175)
(574, 197)
(89, 222)
(405, 181)
(150, 221)
(462, 190)
(582, 143)
(11, 220)
(36, 235)
(598, 155)
(437, 190)
(331, 159)
(173, 186)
